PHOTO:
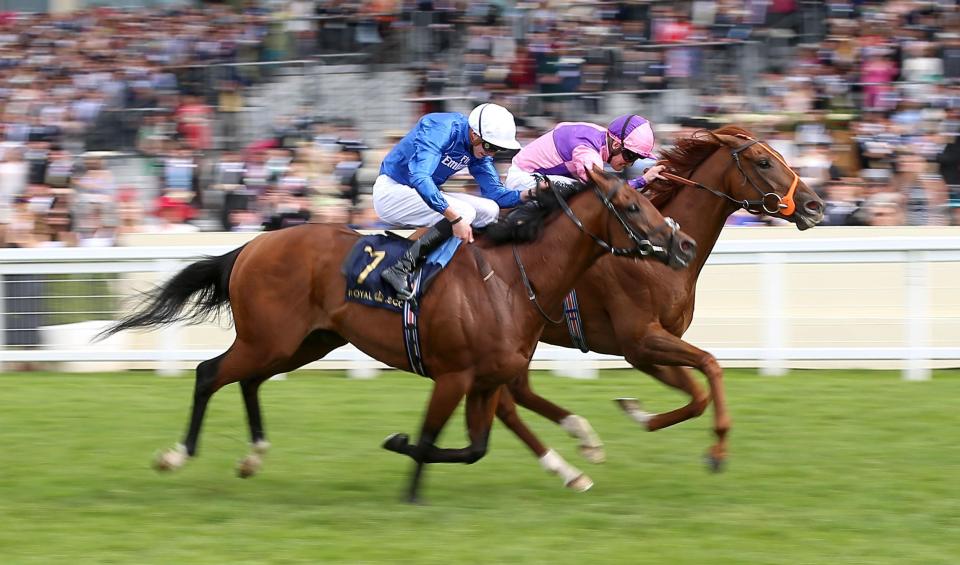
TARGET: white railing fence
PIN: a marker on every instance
(768, 303)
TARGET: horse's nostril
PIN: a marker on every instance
(687, 246)
(813, 206)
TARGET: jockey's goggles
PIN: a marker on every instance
(630, 156)
(490, 148)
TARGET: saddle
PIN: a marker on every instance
(362, 268)
(373, 253)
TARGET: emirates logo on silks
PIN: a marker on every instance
(455, 165)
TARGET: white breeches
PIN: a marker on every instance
(401, 205)
(518, 179)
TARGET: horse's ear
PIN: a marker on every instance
(597, 175)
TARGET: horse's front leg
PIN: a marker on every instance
(665, 357)
(549, 459)
(591, 448)
(211, 376)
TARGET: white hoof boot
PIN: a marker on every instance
(593, 455)
(633, 408)
(582, 483)
(261, 447)
(572, 477)
(591, 448)
(171, 459)
(249, 465)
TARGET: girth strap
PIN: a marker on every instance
(411, 330)
(571, 311)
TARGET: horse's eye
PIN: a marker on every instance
(763, 164)
(633, 208)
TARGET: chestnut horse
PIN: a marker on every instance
(479, 325)
(640, 310)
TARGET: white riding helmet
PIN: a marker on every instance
(494, 124)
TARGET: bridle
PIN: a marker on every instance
(769, 202)
(642, 246)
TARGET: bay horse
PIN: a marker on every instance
(640, 310)
(479, 324)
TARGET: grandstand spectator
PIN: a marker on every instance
(61, 168)
(13, 179)
(286, 209)
(814, 163)
(923, 192)
(36, 154)
(93, 208)
(130, 214)
(194, 121)
(181, 173)
(173, 214)
(883, 209)
(842, 199)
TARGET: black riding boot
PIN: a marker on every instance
(398, 274)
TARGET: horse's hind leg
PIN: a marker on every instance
(316, 346)
(448, 390)
(207, 383)
(251, 462)
(591, 448)
(480, 409)
(549, 459)
(239, 362)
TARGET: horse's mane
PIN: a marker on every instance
(525, 223)
(686, 155)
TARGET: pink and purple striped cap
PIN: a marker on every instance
(635, 133)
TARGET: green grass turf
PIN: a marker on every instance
(825, 467)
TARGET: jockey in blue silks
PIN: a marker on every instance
(407, 191)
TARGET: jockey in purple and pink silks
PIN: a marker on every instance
(572, 148)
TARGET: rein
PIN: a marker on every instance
(531, 294)
(642, 247)
(769, 202)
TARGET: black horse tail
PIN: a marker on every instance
(208, 280)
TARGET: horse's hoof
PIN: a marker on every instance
(582, 483)
(397, 443)
(161, 465)
(629, 405)
(632, 407)
(170, 460)
(249, 466)
(715, 464)
(594, 455)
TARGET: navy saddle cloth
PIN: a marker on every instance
(374, 253)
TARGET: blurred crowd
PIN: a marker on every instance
(861, 97)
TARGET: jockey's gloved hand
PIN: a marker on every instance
(533, 194)
(653, 173)
(543, 182)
